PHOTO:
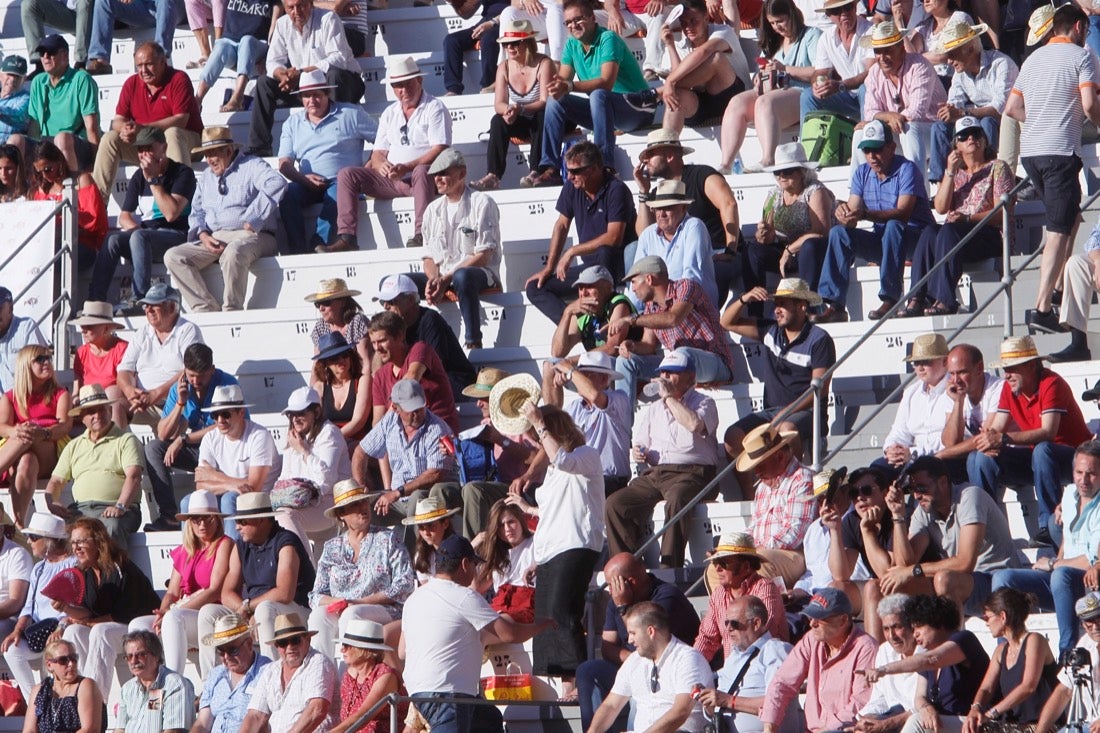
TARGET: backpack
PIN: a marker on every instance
(827, 138)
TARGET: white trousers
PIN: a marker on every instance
(548, 25)
(1077, 290)
(330, 627)
(179, 631)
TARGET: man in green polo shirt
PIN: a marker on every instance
(64, 105)
(605, 71)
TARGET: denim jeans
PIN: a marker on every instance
(468, 284)
(936, 241)
(842, 103)
(602, 112)
(887, 244)
(1048, 465)
(160, 475)
(292, 209)
(1056, 591)
(943, 133)
(594, 680)
(448, 717)
(241, 55)
(143, 247)
(458, 43)
(163, 15)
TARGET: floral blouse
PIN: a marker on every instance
(981, 190)
(383, 567)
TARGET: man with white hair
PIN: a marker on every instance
(682, 241)
(893, 696)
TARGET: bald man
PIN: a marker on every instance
(628, 582)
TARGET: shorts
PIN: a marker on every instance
(1055, 177)
(714, 105)
(803, 421)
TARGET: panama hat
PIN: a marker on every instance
(957, 34)
(1018, 350)
(364, 634)
(44, 524)
(833, 4)
(1040, 24)
(201, 503)
(883, 35)
(662, 138)
(429, 509)
(401, 69)
(760, 443)
(217, 136)
(737, 544)
(486, 380)
(331, 289)
(790, 155)
(669, 192)
(227, 629)
(91, 396)
(253, 505)
(798, 289)
(348, 492)
(505, 400)
(598, 362)
(287, 626)
(312, 81)
(226, 397)
(828, 482)
(928, 346)
(515, 31)
(97, 313)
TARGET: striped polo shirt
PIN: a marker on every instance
(1050, 83)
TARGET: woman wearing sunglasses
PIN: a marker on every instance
(339, 312)
(66, 700)
(34, 426)
(50, 172)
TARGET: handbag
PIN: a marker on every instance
(294, 493)
(38, 633)
(508, 686)
(12, 703)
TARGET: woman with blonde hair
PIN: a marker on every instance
(66, 700)
(34, 426)
(367, 678)
(199, 567)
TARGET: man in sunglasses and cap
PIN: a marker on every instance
(227, 690)
(15, 333)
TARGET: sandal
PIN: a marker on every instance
(489, 182)
(231, 106)
(197, 64)
(939, 309)
(913, 308)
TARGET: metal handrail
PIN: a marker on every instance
(392, 699)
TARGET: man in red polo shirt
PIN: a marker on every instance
(156, 96)
(1035, 432)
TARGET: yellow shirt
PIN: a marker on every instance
(98, 470)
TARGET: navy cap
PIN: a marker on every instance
(52, 44)
(14, 65)
(457, 547)
(5, 295)
(827, 602)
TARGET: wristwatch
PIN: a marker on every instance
(918, 571)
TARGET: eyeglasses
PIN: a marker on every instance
(43, 359)
(323, 304)
(569, 23)
(284, 643)
(578, 170)
(971, 134)
(786, 172)
(81, 542)
(865, 490)
(202, 518)
(65, 659)
(724, 562)
(223, 415)
(735, 625)
(135, 656)
(405, 134)
(655, 679)
(230, 651)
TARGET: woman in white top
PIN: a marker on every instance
(509, 553)
(922, 38)
(315, 459)
(568, 539)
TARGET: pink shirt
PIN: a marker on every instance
(194, 570)
(713, 632)
(921, 92)
(834, 692)
(90, 368)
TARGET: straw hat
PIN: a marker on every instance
(598, 362)
(828, 481)
(348, 492)
(957, 34)
(227, 629)
(331, 289)
(1018, 350)
(505, 400)
(97, 313)
(515, 31)
(791, 155)
(218, 136)
(832, 4)
(226, 397)
(44, 524)
(91, 395)
(365, 634)
(928, 346)
(760, 443)
(202, 503)
(486, 380)
(797, 288)
(1040, 24)
(253, 505)
(287, 626)
(883, 35)
(662, 138)
(401, 69)
(313, 81)
(427, 510)
(737, 544)
(669, 192)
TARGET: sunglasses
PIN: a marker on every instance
(735, 625)
(43, 359)
(724, 562)
(840, 11)
(569, 24)
(230, 651)
(46, 169)
(33, 537)
(292, 641)
(65, 659)
(922, 363)
(578, 170)
(223, 415)
(970, 135)
(51, 53)
(865, 490)
(920, 489)
(786, 172)
(655, 679)
(323, 304)
(405, 134)
(202, 518)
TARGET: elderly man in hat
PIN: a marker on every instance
(826, 660)
(304, 38)
(156, 697)
(152, 219)
(674, 438)
(979, 88)
(106, 483)
(14, 97)
(797, 352)
(315, 144)
(752, 661)
(461, 234)
(270, 574)
(232, 222)
(237, 456)
(1034, 434)
(681, 240)
(412, 132)
(156, 96)
(228, 688)
(64, 105)
(1087, 609)
(585, 322)
(840, 64)
(888, 191)
(783, 506)
(399, 294)
(599, 203)
(15, 333)
(296, 692)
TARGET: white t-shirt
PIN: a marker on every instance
(520, 557)
(442, 623)
(974, 414)
(679, 669)
(848, 62)
(571, 504)
(891, 689)
(15, 564)
(234, 457)
(327, 463)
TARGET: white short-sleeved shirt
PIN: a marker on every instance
(442, 623)
(975, 413)
(154, 362)
(15, 564)
(520, 558)
(848, 62)
(893, 689)
(429, 125)
(679, 668)
(316, 677)
(234, 457)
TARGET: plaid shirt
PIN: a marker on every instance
(782, 513)
(701, 329)
(409, 458)
(713, 632)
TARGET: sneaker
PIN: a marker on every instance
(1042, 322)
(539, 179)
(415, 240)
(642, 101)
(163, 524)
(1070, 353)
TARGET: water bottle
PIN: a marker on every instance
(738, 166)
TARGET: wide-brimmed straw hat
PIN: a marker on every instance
(218, 136)
(957, 34)
(313, 81)
(201, 503)
(662, 138)
(253, 505)
(97, 313)
(928, 346)
(487, 378)
(91, 396)
(1018, 350)
(669, 192)
(226, 397)
(791, 155)
(427, 510)
(287, 626)
(331, 289)
(348, 492)
(515, 31)
(832, 4)
(505, 400)
(798, 289)
(1040, 24)
(828, 481)
(401, 69)
(760, 443)
(227, 629)
(883, 35)
(737, 544)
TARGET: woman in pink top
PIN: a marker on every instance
(98, 357)
(199, 567)
(34, 427)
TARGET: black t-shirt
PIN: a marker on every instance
(694, 180)
(851, 537)
(178, 179)
(683, 619)
(432, 329)
(124, 594)
(953, 691)
(248, 18)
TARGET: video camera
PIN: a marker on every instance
(1076, 659)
